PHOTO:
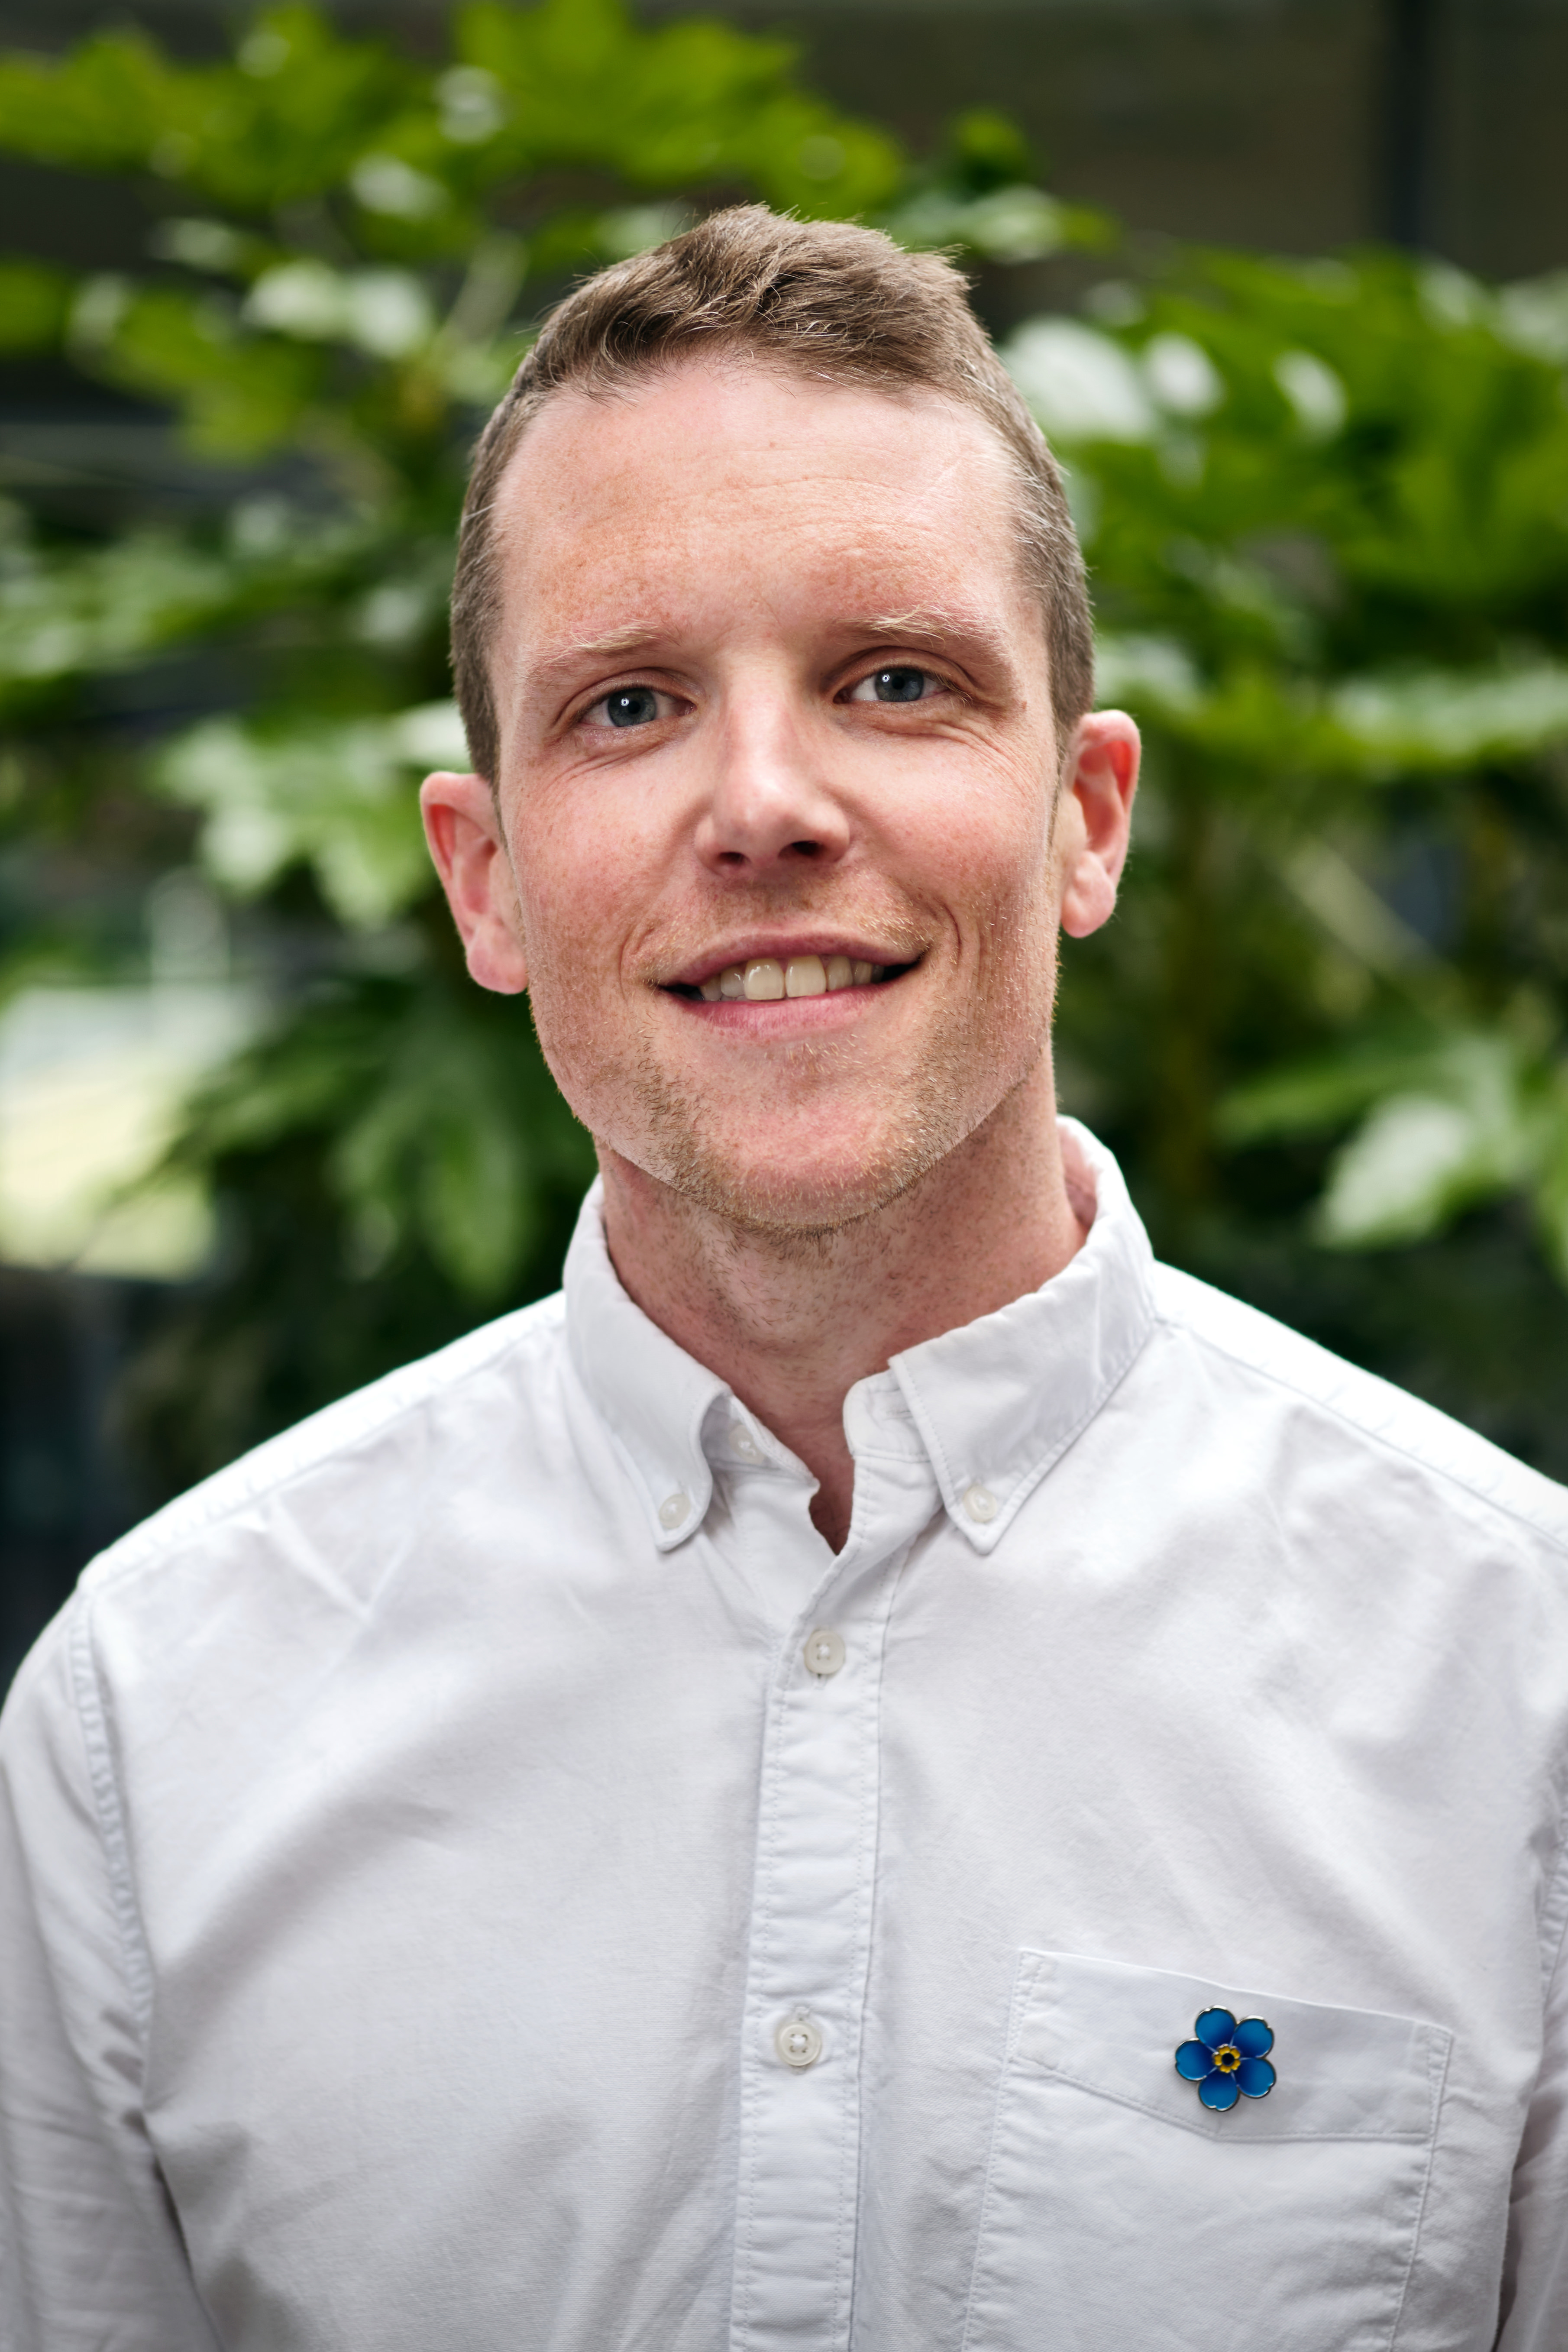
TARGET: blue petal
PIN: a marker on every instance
(1219, 2092)
(1253, 2037)
(1255, 2076)
(1194, 2061)
(1214, 2026)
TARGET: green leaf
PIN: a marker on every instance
(1451, 1119)
(1315, 1096)
(987, 150)
(1551, 1186)
(241, 395)
(104, 609)
(578, 82)
(1444, 718)
(1016, 223)
(34, 302)
(340, 799)
(453, 1142)
(1415, 1162)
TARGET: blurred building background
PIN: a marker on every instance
(1296, 127)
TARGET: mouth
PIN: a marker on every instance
(764, 980)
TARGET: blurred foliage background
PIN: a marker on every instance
(1325, 507)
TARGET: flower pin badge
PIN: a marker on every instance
(1228, 2061)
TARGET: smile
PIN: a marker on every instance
(764, 980)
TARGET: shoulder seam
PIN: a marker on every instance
(105, 1788)
(1554, 1914)
(229, 1490)
(1373, 1436)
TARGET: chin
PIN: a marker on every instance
(768, 1164)
(794, 1192)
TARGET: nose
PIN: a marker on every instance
(771, 813)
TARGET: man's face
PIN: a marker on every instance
(773, 701)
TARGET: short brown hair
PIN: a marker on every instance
(824, 298)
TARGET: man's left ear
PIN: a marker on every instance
(1094, 818)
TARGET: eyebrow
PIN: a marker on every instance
(931, 624)
(935, 625)
(625, 640)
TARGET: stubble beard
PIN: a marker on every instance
(683, 1153)
(664, 1127)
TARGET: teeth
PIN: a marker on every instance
(764, 980)
(767, 978)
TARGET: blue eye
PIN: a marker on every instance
(901, 682)
(631, 706)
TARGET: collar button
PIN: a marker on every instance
(981, 1504)
(673, 1511)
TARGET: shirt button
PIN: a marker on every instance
(798, 2041)
(980, 1502)
(824, 1651)
(672, 1510)
(745, 1444)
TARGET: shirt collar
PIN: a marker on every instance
(998, 1401)
(653, 1397)
(995, 1401)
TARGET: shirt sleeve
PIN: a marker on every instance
(1535, 2268)
(91, 2254)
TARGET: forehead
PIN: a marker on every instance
(715, 488)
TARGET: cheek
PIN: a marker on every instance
(990, 850)
(578, 873)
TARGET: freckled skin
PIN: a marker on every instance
(793, 1188)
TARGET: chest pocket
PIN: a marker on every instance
(1121, 2215)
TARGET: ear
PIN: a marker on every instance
(1094, 818)
(462, 826)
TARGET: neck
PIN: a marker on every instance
(791, 1323)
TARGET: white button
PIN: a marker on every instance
(745, 1444)
(798, 2041)
(824, 1651)
(672, 1510)
(980, 1502)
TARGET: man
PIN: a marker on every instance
(888, 1773)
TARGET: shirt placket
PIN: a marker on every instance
(811, 1933)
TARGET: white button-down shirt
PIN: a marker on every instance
(481, 1872)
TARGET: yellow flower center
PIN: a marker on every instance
(1228, 2058)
